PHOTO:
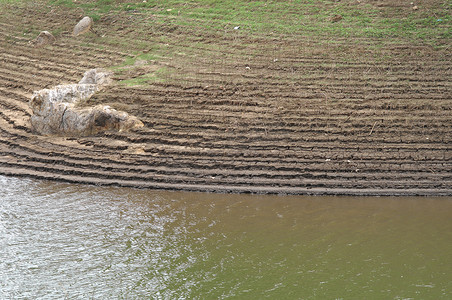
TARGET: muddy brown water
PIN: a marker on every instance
(73, 241)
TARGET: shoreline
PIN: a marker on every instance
(233, 111)
(236, 190)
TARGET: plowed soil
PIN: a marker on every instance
(233, 112)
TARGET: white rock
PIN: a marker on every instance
(44, 38)
(55, 111)
(83, 26)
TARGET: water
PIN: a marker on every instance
(77, 242)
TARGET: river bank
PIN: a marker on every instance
(297, 110)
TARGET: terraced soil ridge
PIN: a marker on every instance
(287, 117)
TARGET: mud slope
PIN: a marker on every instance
(286, 117)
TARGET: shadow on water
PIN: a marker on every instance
(60, 240)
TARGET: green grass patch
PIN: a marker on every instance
(160, 75)
(13, 1)
(289, 17)
(297, 17)
(131, 61)
(94, 9)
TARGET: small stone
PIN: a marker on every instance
(44, 38)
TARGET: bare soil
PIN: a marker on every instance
(235, 113)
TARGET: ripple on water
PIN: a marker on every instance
(61, 240)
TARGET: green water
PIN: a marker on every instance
(62, 241)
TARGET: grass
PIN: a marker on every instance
(133, 64)
(13, 1)
(300, 17)
(294, 17)
(362, 24)
(158, 76)
(132, 60)
(273, 19)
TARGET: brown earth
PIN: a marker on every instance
(237, 113)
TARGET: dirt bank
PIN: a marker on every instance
(237, 113)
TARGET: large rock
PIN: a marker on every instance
(83, 26)
(55, 111)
